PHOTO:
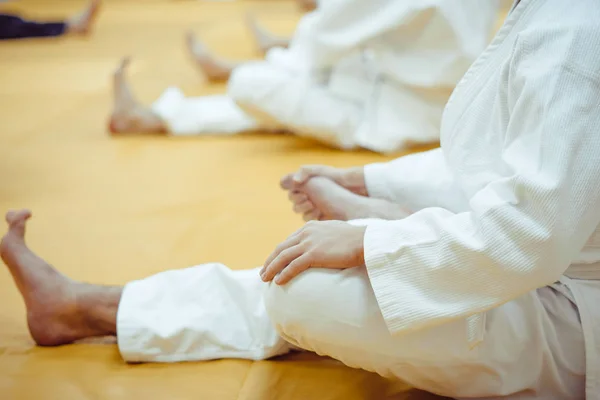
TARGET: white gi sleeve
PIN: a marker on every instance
(416, 181)
(521, 230)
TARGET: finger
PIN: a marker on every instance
(295, 267)
(291, 241)
(313, 215)
(297, 197)
(287, 181)
(308, 171)
(304, 207)
(281, 261)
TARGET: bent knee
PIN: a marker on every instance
(321, 299)
(293, 301)
(252, 80)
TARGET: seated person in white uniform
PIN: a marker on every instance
(357, 74)
(476, 276)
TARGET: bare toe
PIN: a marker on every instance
(17, 216)
(16, 221)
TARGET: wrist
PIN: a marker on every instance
(355, 180)
(360, 245)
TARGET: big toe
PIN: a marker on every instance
(17, 217)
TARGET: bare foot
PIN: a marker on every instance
(81, 24)
(215, 69)
(352, 179)
(265, 39)
(326, 200)
(128, 114)
(52, 300)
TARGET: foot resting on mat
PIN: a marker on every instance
(58, 308)
(81, 24)
(129, 115)
(215, 68)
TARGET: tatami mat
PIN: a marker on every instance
(110, 210)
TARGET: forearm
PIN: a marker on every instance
(416, 181)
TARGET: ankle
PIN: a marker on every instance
(97, 307)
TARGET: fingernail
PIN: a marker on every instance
(298, 178)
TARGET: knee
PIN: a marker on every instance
(291, 303)
(253, 81)
(320, 299)
(246, 80)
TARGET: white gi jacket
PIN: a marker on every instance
(511, 201)
(374, 74)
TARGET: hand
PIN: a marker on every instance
(352, 179)
(321, 244)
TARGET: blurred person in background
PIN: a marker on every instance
(356, 74)
(16, 27)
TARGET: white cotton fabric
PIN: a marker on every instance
(534, 347)
(491, 288)
(209, 115)
(358, 73)
(511, 201)
(194, 314)
(370, 74)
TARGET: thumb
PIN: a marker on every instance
(308, 171)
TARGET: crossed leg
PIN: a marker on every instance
(211, 312)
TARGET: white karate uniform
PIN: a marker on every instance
(358, 73)
(491, 288)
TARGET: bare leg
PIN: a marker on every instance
(81, 24)
(322, 199)
(215, 69)
(128, 114)
(265, 40)
(59, 310)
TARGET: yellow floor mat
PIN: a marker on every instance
(109, 210)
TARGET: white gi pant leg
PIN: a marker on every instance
(533, 349)
(533, 346)
(205, 115)
(275, 95)
(200, 313)
(342, 108)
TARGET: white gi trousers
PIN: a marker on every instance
(534, 346)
